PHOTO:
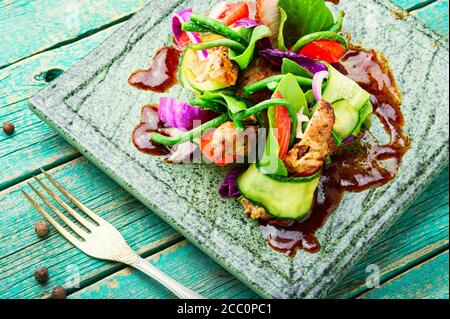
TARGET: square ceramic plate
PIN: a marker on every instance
(95, 109)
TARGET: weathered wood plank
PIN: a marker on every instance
(183, 262)
(408, 4)
(34, 144)
(435, 16)
(428, 280)
(21, 251)
(28, 27)
(420, 232)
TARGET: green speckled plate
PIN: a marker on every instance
(95, 109)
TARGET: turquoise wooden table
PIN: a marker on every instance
(41, 38)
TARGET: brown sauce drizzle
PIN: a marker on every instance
(162, 73)
(150, 122)
(358, 166)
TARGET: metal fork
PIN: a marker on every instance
(100, 239)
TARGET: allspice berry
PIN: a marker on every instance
(59, 293)
(41, 228)
(8, 128)
(41, 275)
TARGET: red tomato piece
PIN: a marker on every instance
(208, 150)
(325, 50)
(283, 125)
(234, 12)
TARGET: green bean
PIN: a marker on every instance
(338, 24)
(239, 125)
(192, 27)
(322, 35)
(189, 136)
(217, 27)
(260, 85)
(208, 105)
(269, 103)
(220, 43)
(272, 86)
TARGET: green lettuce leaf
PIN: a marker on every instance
(301, 17)
(244, 59)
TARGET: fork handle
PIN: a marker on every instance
(178, 289)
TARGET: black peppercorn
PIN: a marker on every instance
(59, 293)
(41, 275)
(8, 128)
(41, 228)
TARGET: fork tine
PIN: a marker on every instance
(69, 209)
(80, 232)
(70, 197)
(50, 219)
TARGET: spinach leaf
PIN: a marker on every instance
(291, 91)
(244, 59)
(302, 17)
(289, 66)
(233, 103)
(280, 39)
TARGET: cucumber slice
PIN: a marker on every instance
(346, 120)
(350, 102)
(364, 114)
(340, 87)
(282, 197)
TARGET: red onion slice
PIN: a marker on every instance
(181, 115)
(317, 81)
(178, 19)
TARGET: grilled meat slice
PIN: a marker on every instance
(227, 141)
(267, 13)
(308, 156)
(255, 212)
(218, 67)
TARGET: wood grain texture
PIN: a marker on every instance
(21, 251)
(435, 16)
(428, 280)
(28, 27)
(34, 144)
(184, 263)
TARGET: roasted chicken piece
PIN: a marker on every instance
(308, 156)
(217, 67)
(227, 141)
(267, 13)
(255, 212)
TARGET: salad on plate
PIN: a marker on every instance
(282, 100)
